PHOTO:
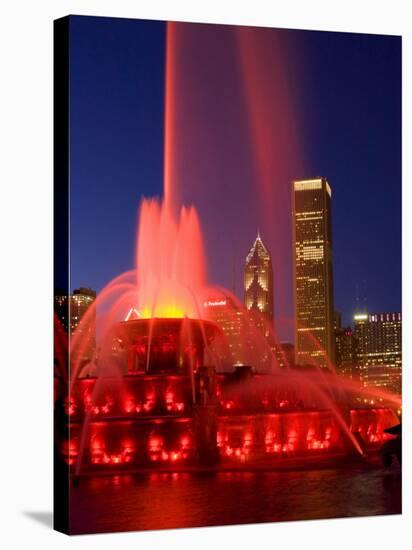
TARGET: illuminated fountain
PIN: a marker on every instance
(162, 390)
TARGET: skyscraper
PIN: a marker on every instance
(258, 299)
(313, 275)
(380, 349)
(258, 280)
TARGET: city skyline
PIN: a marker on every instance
(130, 152)
(369, 351)
(313, 256)
(258, 282)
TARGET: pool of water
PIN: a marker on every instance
(172, 500)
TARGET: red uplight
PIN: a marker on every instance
(155, 443)
(140, 349)
(171, 404)
(70, 452)
(167, 347)
(185, 442)
(265, 401)
(70, 406)
(169, 397)
(98, 447)
(129, 406)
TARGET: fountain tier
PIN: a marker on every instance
(167, 410)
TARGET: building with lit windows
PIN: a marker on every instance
(379, 337)
(258, 281)
(70, 311)
(231, 320)
(258, 300)
(80, 301)
(313, 274)
(245, 342)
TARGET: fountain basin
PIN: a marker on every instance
(151, 422)
(165, 409)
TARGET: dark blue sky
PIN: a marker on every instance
(352, 112)
(116, 139)
(348, 92)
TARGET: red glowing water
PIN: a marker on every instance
(231, 142)
(204, 65)
(171, 266)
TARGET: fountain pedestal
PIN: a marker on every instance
(206, 416)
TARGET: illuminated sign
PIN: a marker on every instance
(214, 303)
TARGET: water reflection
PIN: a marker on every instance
(172, 500)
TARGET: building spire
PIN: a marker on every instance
(258, 279)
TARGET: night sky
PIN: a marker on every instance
(346, 95)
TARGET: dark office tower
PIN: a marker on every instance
(258, 281)
(313, 276)
(345, 349)
(337, 320)
(61, 308)
(346, 352)
(380, 350)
